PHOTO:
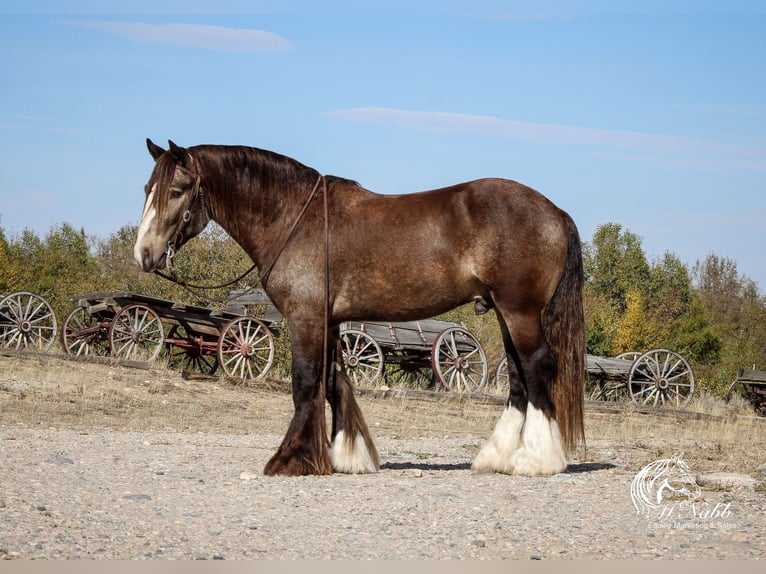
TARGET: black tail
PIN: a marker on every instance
(564, 326)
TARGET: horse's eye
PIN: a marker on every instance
(176, 194)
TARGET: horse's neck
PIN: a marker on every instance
(254, 215)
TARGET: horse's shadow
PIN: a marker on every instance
(578, 468)
(584, 467)
(425, 466)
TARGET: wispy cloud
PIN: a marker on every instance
(192, 35)
(671, 147)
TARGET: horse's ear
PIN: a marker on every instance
(179, 153)
(155, 150)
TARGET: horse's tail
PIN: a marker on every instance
(564, 326)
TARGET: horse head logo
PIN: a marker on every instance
(663, 480)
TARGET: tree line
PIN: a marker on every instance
(709, 313)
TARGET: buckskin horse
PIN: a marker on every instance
(330, 251)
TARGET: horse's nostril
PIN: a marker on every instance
(146, 260)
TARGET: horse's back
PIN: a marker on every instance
(448, 245)
(473, 202)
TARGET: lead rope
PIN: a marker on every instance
(267, 270)
(325, 334)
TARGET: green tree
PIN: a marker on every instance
(739, 314)
(614, 264)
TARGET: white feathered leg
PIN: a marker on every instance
(352, 456)
(541, 452)
(495, 455)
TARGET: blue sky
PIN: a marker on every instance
(647, 114)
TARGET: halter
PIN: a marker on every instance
(197, 191)
(186, 217)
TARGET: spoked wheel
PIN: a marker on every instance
(136, 334)
(661, 377)
(502, 378)
(27, 321)
(458, 361)
(84, 334)
(186, 351)
(362, 357)
(246, 348)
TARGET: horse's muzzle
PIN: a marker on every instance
(147, 263)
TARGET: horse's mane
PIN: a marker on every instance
(269, 178)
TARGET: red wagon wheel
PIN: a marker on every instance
(85, 334)
(458, 361)
(246, 348)
(27, 321)
(136, 334)
(187, 351)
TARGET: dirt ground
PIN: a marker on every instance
(106, 461)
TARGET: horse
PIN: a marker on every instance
(329, 251)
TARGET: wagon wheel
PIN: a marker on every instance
(661, 377)
(459, 361)
(191, 355)
(246, 348)
(502, 377)
(27, 321)
(136, 334)
(362, 357)
(84, 334)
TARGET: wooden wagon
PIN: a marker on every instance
(751, 384)
(448, 350)
(655, 377)
(27, 322)
(134, 327)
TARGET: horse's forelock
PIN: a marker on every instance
(161, 178)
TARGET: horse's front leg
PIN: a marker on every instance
(353, 451)
(305, 448)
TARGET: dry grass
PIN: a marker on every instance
(54, 392)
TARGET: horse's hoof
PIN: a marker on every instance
(295, 466)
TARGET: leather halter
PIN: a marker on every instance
(266, 272)
(197, 191)
(186, 217)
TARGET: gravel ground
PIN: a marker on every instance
(106, 494)
(105, 462)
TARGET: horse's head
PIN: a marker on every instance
(174, 210)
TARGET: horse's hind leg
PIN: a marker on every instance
(495, 455)
(539, 450)
(353, 450)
